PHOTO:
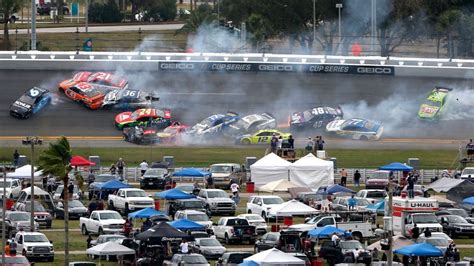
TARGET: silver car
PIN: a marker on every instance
(209, 247)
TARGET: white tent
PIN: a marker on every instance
(274, 257)
(312, 172)
(110, 249)
(292, 207)
(444, 184)
(24, 172)
(268, 169)
(281, 185)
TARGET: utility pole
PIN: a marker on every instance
(339, 7)
(87, 16)
(33, 25)
(314, 20)
(389, 222)
(4, 208)
(373, 24)
(32, 141)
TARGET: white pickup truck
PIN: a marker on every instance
(12, 188)
(235, 229)
(102, 222)
(34, 245)
(130, 199)
(359, 229)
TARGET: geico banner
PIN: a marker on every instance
(269, 67)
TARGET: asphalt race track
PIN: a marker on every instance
(394, 101)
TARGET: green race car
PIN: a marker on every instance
(263, 136)
(433, 106)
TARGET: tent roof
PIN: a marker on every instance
(445, 184)
(192, 172)
(25, 172)
(185, 224)
(110, 248)
(112, 185)
(396, 167)
(80, 161)
(399, 241)
(421, 249)
(37, 190)
(144, 213)
(271, 159)
(274, 256)
(377, 206)
(469, 200)
(293, 207)
(338, 188)
(281, 185)
(160, 231)
(311, 160)
(327, 231)
(173, 194)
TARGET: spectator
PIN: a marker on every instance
(320, 143)
(456, 255)
(147, 224)
(470, 149)
(196, 188)
(113, 169)
(44, 181)
(7, 249)
(13, 246)
(88, 241)
(352, 203)
(274, 143)
(16, 156)
(309, 146)
(427, 232)
(127, 227)
(51, 183)
(411, 186)
(143, 167)
(357, 178)
(183, 247)
(92, 206)
(335, 239)
(415, 232)
(210, 181)
(100, 205)
(343, 174)
(315, 144)
(375, 254)
(70, 189)
(235, 189)
(291, 142)
(120, 167)
(91, 177)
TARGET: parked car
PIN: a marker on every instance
(154, 178)
(417, 190)
(106, 238)
(377, 179)
(342, 204)
(455, 211)
(232, 258)
(335, 254)
(263, 204)
(16, 260)
(34, 246)
(185, 187)
(186, 204)
(268, 241)
(226, 173)
(82, 263)
(217, 201)
(101, 222)
(186, 260)
(257, 221)
(16, 221)
(209, 247)
(42, 216)
(455, 225)
(372, 195)
(12, 188)
(195, 216)
(77, 193)
(76, 210)
(314, 196)
(466, 172)
(438, 242)
(99, 180)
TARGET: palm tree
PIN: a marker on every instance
(201, 16)
(56, 160)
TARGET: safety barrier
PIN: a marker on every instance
(371, 65)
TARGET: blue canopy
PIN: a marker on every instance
(377, 206)
(194, 172)
(145, 213)
(113, 185)
(396, 167)
(185, 224)
(469, 200)
(173, 194)
(327, 231)
(338, 188)
(249, 263)
(421, 250)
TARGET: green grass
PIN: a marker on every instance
(76, 240)
(203, 157)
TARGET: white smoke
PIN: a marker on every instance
(212, 38)
(459, 105)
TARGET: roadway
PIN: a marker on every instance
(193, 96)
(95, 29)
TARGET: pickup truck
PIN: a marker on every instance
(12, 188)
(217, 201)
(100, 222)
(34, 245)
(224, 173)
(235, 229)
(130, 199)
(422, 220)
(359, 229)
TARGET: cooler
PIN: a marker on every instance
(275, 228)
(250, 187)
(157, 204)
(288, 221)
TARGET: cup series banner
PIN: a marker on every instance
(272, 67)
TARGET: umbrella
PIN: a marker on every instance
(185, 224)
(327, 231)
(192, 172)
(281, 185)
(274, 257)
(145, 213)
(396, 167)
(173, 194)
(469, 200)
(420, 250)
(338, 188)
(80, 161)
(162, 231)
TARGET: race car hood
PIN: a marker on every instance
(335, 125)
(68, 83)
(427, 111)
(125, 117)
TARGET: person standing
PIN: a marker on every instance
(91, 177)
(113, 169)
(411, 186)
(357, 178)
(13, 246)
(120, 166)
(274, 143)
(291, 142)
(470, 149)
(44, 182)
(309, 146)
(320, 143)
(88, 241)
(16, 156)
(352, 202)
(51, 182)
(415, 232)
(184, 248)
(335, 239)
(343, 174)
(143, 167)
(210, 181)
(235, 188)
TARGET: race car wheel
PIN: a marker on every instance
(246, 141)
(364, 138)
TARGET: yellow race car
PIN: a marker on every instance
(263, 136)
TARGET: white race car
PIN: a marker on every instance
(355, 128)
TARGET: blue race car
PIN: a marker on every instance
(31, 102)
(213, 125)
(355, 128)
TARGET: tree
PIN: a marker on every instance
(7, 9)
(105, 13)
(200, 16)
(56, 160)
(260, 28)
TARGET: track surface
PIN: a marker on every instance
(194, 96)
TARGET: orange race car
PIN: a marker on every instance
(86, 94)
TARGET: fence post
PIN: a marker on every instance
(77, 39)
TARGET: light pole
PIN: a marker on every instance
(314, 20)
(4, 207)
(32, 141)
(339, 7)
(87, 16)
(33, 25)
(373, 24)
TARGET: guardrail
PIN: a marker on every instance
(224, 62)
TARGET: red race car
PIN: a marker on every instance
(99, 80)
(172, 133)
(84, 93)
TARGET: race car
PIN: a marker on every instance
(147, 117)
(355, 128)
(250, 124)
(31, 102)
(128, 99)
(99, 80)
(140, 135)
(317, 117)
(86, 94)
(172, 133)
(263, 136)
(433, 106)
(213, 125)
